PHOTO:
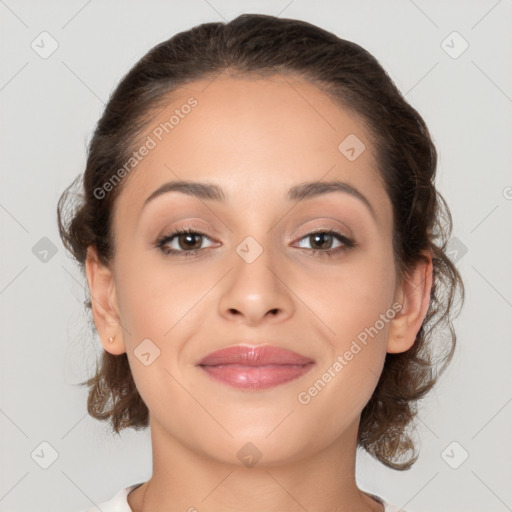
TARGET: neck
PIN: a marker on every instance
(187, 480)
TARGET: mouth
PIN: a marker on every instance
(255, 367)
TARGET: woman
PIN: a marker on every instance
(264, 248)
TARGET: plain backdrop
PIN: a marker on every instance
(460, 83)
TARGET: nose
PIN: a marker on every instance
(256, 290)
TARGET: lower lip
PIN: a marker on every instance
(256, 377)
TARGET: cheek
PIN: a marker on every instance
(158, 305)
(352, 296)
(356, 305)
(154, 298)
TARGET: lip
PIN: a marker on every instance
(255, 367)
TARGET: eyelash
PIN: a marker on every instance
(162, 241)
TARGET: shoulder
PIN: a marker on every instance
(387, 506)
(118, 503)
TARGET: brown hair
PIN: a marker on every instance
(261, 45)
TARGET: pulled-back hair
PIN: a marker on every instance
(255, 45)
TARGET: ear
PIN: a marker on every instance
(413, 293)
(105, 309)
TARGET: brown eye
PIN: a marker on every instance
(322, 242)
(182, 242)
(188, 241)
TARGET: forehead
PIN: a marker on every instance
(252, 136)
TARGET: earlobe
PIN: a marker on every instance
(414, 296)
(104, 303)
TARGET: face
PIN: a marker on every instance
(267, 263)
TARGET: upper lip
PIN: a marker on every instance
(250, 355)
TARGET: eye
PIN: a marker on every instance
(323, 241)
(186, 242)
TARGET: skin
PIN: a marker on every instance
(255, 139)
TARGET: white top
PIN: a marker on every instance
(119, 502)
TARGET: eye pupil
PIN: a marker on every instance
(188, 237)
(322, 236)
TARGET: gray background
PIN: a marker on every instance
(49, 109)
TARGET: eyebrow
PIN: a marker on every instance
(299, 192)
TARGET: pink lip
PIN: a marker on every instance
(250, 367)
